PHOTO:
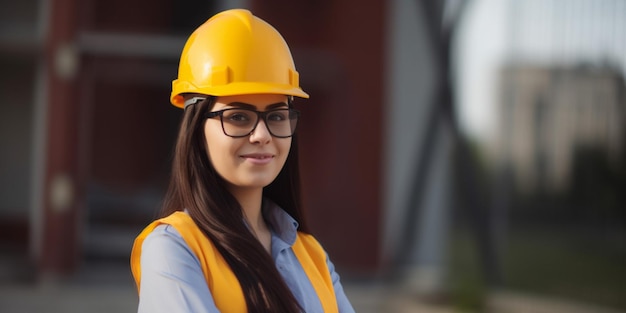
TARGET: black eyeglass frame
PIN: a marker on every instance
(260, 115)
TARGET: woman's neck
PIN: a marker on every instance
(251, 200)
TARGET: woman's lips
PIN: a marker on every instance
(258, 158)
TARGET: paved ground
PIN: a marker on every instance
(100, 299)
(108, 287)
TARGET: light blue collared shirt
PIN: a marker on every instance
(172, 279)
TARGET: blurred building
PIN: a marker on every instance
(87, 130)
(547, 113)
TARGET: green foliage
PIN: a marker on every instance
(570, 244)
(467, 282)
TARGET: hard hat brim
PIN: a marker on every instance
(232, 89)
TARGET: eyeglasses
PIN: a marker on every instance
(281, 123)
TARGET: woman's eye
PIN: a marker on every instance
(277, 116)
(238, 117)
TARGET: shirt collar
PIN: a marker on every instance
(283, 225)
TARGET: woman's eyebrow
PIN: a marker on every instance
(253, 107)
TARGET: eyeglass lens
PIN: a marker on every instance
(241, 122)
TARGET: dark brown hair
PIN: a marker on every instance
(196, 186)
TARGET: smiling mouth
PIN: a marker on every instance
(258, 158)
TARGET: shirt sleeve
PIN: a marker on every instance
(342, 301)
(171, 276)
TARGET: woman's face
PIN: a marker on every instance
(252, 161)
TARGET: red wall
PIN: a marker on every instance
(338, 48)
(104, 126)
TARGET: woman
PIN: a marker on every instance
(232, 237)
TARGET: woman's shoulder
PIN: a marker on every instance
(164, 232)
(178, 226)
(164, 239)
(171, 232)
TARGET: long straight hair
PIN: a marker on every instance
(196, 186)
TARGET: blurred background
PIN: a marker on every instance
(457, 156)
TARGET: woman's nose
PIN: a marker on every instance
(261, 133)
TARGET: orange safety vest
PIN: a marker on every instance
(222, 282)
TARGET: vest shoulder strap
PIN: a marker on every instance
(222, 282)
(312, 257)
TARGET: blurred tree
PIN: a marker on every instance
(597, 184)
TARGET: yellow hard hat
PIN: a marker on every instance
(235, 53)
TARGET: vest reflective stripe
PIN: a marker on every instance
(222, 282)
